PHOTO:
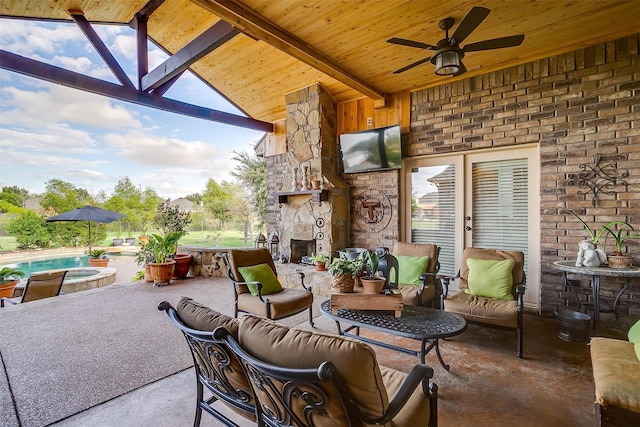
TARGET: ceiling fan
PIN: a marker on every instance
(449, 54)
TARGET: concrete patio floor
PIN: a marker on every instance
(552, 385)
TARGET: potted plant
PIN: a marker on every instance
(98, 258)
(9, 278)
(163, 247)
(172, 219)
(618, 259)
(320, 261)
(373, 282)
(344, 272)
(143, 257)
(594, 237)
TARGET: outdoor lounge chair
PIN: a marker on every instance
(257, 289)
(496, 301)
(416, 267)
(216, 367)
(305, 378)
(42, 285)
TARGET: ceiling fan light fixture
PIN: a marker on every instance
(447, 63)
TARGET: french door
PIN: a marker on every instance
(486, 199)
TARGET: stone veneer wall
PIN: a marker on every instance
(576, 106)
(311, 143)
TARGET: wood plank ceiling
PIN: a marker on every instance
(350, 36)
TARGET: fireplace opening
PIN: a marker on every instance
(301, 248)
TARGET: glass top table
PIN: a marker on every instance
(595, 273)
(427, 325)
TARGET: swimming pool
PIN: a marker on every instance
(30, 267)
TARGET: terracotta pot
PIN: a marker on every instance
(372, 285)
(183, 263)
(143, 239)
(321, 266)
(6, 288)
(620, 261)
(147, 275)
(162, 272)
(98, 262)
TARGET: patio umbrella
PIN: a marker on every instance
(89, 214)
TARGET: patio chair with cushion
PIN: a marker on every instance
(215, 365)
(39, 286)
(302, 377)
(416, 267)
(492, 286)
(257, 289)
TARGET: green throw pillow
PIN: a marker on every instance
(634, 333)
(260, 273)
(491, 279)
(410, 268)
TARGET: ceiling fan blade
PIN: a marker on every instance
(410, 66)
(469, 23)
(411, 43)
(498, 43)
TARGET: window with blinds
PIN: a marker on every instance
(433, 211)
(500, 205)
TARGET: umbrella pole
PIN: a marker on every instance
(89, 236)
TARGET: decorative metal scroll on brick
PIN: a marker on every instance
(598, 179)
(373, 210)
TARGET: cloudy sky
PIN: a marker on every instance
(50, 131)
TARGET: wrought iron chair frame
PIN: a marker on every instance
(214, 378)
(284, 386)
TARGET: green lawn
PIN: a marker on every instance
(232, 238)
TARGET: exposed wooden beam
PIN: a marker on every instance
(220, 33)
(247, 20)
(142, 49)
(100, 47)
(40, 70)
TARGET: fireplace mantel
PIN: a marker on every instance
(317, 196)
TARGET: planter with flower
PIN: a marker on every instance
(344, 272)
(9, 278)
(373, 282)
(98, 258)
(172, 219)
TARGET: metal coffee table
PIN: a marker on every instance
(424, 324)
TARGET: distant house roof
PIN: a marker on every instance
(182, 203)
(33, 204)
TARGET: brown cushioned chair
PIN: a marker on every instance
(215, 364)
(306, 378)
(486, 311)
(430, 289)
(287, 302)
(39, 286)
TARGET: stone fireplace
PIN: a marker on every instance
(297, 211)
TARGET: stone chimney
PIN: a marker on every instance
(294, 210)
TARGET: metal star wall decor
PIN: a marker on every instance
(598, 179)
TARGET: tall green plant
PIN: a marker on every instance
(165, 246)
(595, 236)
(619, 238)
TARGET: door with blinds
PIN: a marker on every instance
(486, 199)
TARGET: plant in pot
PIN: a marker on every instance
(144, 256)
(320, 261)
(373, 282)
(98, 258)
(344, 272)
(9, 278)
(589, 255)
(172, 219)
(618, 259)
(163, 247)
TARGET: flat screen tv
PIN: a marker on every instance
(371, 150)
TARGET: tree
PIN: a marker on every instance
(59, 197)
(14, 195)
(30, 231)
(252, 176)
(218, 199)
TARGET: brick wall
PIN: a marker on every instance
(577, 106)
